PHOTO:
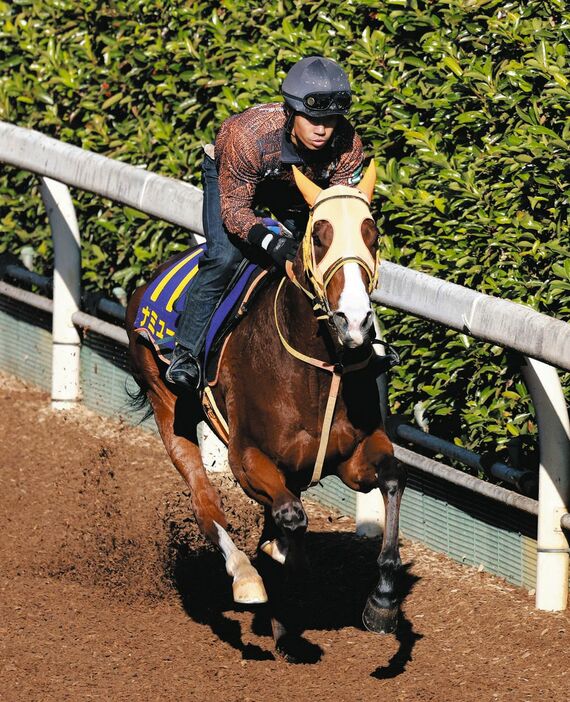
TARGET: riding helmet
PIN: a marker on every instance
(317, 87)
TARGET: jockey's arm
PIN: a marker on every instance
(239, 172)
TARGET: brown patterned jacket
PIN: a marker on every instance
(254, 155)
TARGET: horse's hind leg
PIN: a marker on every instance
(177, 419)
(373, 465)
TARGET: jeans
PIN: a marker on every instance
(217, 266)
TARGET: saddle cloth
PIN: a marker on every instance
(164, 299)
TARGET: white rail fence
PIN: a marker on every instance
(544, 341)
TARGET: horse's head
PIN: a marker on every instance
(340, 254)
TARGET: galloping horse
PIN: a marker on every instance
(307, 338)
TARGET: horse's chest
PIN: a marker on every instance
(303, 445)
(343, 440)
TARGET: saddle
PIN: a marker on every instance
(164, 299)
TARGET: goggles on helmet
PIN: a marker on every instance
(326, 101)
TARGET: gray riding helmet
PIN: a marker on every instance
(315, 81)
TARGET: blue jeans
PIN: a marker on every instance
(216, 268)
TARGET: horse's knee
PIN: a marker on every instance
(391, 475)
(289, 516)
(358, 475)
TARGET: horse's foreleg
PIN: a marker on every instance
(373, 465)
(381, 611)
(281, 540)
(183, 449)
(264, 482)
(271, 541)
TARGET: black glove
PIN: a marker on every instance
(279, 247)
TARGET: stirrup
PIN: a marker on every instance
(184, 370)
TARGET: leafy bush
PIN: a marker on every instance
(464, 103)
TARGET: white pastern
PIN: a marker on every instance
(225, 542)
(247, 586)
(354, 302)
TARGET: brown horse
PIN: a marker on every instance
(276, 387)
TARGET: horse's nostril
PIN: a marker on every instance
(340, 320)
(368, 320)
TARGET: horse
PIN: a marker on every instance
(299, 396)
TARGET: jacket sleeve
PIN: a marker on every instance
(239, 171)
(349, 169)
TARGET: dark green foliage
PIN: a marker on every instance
(464, 103)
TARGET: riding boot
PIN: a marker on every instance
(184, 369)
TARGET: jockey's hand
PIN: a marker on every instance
(280, 248)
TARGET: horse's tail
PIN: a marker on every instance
(138, 399)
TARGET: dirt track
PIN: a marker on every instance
(109, 593)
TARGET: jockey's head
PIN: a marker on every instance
(316, 91)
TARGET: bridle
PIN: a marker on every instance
(345, 210)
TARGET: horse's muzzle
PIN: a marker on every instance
(351, 333)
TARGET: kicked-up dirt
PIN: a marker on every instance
(108, 591)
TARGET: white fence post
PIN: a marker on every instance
(554, 484)
(65, 388)
(370, 513)
(214, 453)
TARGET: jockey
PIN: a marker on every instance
(250, 167)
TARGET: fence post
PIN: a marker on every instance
(370, 514)
(554, 484)
(66, 293)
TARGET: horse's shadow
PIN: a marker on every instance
(341, 573)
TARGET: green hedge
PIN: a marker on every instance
(464, 103)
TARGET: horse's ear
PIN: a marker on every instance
(309, 190)
(368, 181)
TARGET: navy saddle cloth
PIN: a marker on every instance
(164, 300)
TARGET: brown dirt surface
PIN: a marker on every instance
(108, 591)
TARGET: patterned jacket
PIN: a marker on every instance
(254, 155)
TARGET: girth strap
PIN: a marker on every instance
(337, 371)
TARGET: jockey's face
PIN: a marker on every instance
(313, 133)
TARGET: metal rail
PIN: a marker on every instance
(484, 317)
(452, 475)
(498, 470)
(168, 199)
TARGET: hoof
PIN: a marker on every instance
(249, 591)
(247, 586)
(380, 620)
(274, 549)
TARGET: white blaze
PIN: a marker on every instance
(354, 302)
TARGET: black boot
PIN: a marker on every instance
(184, 369)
